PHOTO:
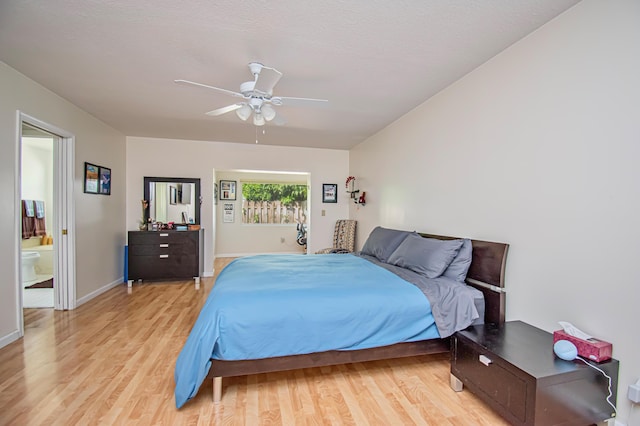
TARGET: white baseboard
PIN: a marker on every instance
(9, 338)
(208, 273)
(99, 291)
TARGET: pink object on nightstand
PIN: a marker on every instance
(593, 349)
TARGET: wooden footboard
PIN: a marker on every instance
(220, 369)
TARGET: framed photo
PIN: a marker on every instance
(228, 213)
(227, 189)
(105, 181)
(91, 174)
(173, 195)
(329, 192)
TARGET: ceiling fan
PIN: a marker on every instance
(257, 96)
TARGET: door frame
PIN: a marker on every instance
(64, 213)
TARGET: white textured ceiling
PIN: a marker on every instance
(374, 60)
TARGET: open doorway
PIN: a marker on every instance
(37, 205)
(45, 212)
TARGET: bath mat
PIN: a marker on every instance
(43, 284)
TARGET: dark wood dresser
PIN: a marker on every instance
(165, 255)
(514, 370)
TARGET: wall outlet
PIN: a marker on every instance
(634, 392)
(282, 239)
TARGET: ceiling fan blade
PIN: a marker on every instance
(289, 101)
(193, 83)
(279, 120)
(266, 80)
(224, 110)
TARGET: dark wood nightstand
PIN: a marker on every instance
(514, 370)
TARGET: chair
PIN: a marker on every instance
(344, 237)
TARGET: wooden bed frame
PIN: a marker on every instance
(486, 273)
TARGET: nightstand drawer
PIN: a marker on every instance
(490, 377)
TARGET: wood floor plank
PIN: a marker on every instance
(111, 361)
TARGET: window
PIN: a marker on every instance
(274, 203)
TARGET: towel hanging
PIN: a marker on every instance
(28, 208)
(39, 209)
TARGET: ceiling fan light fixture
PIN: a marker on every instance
(257, 97)
(258, 119)
(244, 112)
(268, 112)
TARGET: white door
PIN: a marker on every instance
(63, 213)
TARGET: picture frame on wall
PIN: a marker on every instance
(329, 192)
(91, 178)
(227, 189)
(228, 216)
(97, 179)
(105, 180)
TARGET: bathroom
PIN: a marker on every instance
(37, 218)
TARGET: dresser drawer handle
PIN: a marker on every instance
(164, 256)
(164, 235)
(484, 360)
(164, 245)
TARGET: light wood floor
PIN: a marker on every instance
(111, 361)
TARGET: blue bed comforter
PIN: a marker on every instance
(275, 305)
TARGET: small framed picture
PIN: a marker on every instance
(105, 181)
(91, 174)
(227, 189)
(173, 195)
(228, 213)
(329, 192)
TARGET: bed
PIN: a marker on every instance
(332, 309)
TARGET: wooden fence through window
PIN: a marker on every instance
(273, 212)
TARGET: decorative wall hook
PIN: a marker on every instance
(350, 184)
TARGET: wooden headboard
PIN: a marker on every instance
(486, 273)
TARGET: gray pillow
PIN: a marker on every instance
(426, 256)
(382, 242)
(460, 264)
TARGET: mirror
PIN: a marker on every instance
(173, 199)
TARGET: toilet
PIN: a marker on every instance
(29, 259)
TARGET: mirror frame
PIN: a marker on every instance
(195, 181)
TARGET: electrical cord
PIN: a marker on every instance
(633, 405)
(608, 378)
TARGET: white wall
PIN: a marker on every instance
(201, 159)
(538, 148)
(239, 239)
(99, 219)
